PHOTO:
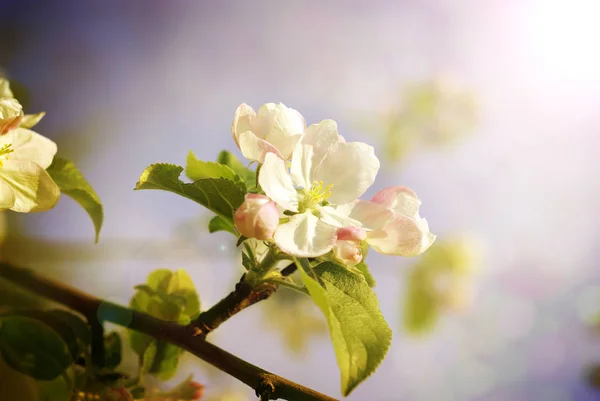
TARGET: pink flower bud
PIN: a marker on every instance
(351, 233)
(257, 217)
(349, 252)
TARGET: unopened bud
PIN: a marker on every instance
(257, 217)
(11, 114)
(349, 252)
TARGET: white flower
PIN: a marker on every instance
(257, 217)
(393, 214)
(327, 176)
(25, 186)
(276, 128)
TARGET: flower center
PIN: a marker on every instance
(315, 195)
(4, 151)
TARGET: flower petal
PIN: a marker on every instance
(281, 126)
(402, 200)
(305, 235)
(7, 195)
(401, 236)
(351, 169)
(322, 137)
(372, 215)
(253, 148)
(34, 190)
(336, 217)
(241, 121)
(301, 164)
(31, 146)
(277, 183)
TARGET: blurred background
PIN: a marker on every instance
(487, 109)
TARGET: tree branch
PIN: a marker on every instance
(262, 381)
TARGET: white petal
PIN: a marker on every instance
(34, 190)
(280, 125)
(372, 215)
(305, 236)
(351, 169)
(301, 164)
(322, 137)
(337, 218)
(7, 195)
(253, 148)
(401, 236)
(241, 121)
(400, 199)
(277, 183)
(31, 146)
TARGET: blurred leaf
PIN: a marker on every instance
(32, 348)
(161, 359)
(593, 376)
(421, 310)
(197, 170)
(218, 223)
(247, 175)
(364, 269)
(219, 195)
(112, 350)
(59, 389)
(72, 183)
(31, 120)
(360, 334)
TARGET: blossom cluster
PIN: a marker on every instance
(25, 185)
(312, 181)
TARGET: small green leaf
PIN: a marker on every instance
(31, 120)
(247, 175)
(421, 309)
(364, 269)
(219, 195)
(33, 348)
(359, 332)
(218, 223)
(197, 170)
(72, 183)
(59, 389)
(161, 359)
(112, 350)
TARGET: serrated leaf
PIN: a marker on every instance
(112, 350)
(218, 223)
(358, 330)
(73, 184)
(31, 120)
(197, 170)
(247, 175)
(421, 309)
(161, 359)
(219, 195)
(364, 269)
(41, 353)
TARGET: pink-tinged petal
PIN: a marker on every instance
(373, 216)
(242, 121)
(349, 252)
(31, 146)
(277, 183)
(351, 233)
(402, 200)
(7, 195)
(402, 236)
(34, 190)
(351, 169)
(301, 163)
(255, 149)
(304, 235)
(257, 217)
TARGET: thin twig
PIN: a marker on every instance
(181, 336)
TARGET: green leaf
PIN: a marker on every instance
(72, 183)
(112, 350)
(219, 195)
(31, 120)
(364, 269)
(421, 309)
(247, 175)
(59, 389)
(161, 359)
(33, 348)
(197, 170)
(358, 330)
(218, 223)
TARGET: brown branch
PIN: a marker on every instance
(267, 385)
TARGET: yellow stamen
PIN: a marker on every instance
(4, 151)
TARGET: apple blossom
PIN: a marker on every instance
(393, 214)
(327, 175)
(257, 217)
(11, 114)
(276, 128)
(25, 186)
(348, 247)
